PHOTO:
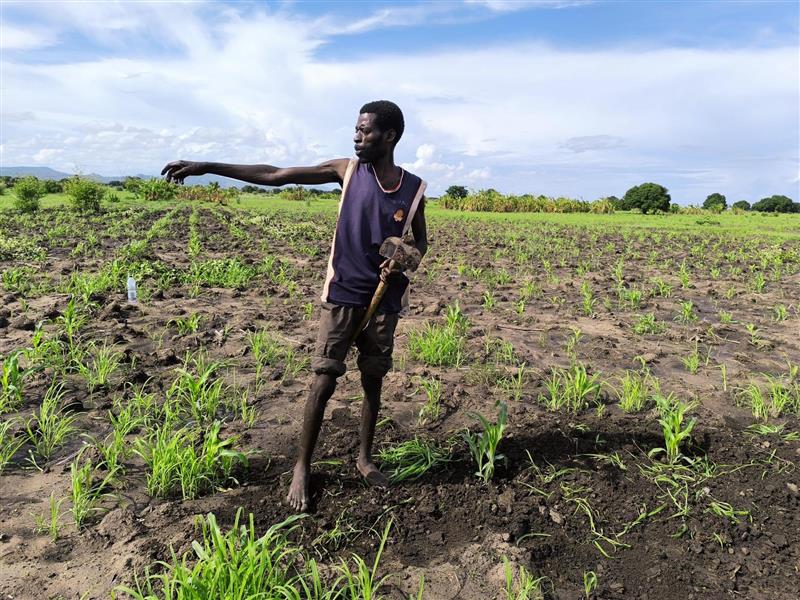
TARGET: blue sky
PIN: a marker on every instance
(582, 99)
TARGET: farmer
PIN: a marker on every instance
(378, 200)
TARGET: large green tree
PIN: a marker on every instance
(741, 205)
(457, 191)
(776, 203)
(715, 200)
(648, 197)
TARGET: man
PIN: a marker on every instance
(379, 199)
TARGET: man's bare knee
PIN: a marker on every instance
(322, 387)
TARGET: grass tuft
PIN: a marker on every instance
(411, 459)
(483, 445)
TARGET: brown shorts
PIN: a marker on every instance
(336, 327)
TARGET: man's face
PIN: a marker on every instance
(369, 142)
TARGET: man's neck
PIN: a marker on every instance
(387, 172)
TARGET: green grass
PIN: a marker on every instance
(198, 390)
(431, 410)
(437, 345)
(570, 389)
(775, 399)
(88, 487)
(50, 522)
(99, 364)
(12, 376)
(784, 226)
(483, 445)
(674, 426)
(188, 325)
(776, 226)
(189, 461)
(126, 199)
(225, 273)
(239, 565)
(10, 442)
(523, 586)
(265, 346)
(411, 459)
(50, 427)
(441, 344)
(635, 390)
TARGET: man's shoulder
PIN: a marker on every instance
(413, 177)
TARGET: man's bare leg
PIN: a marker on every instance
(369, 416)
(321, 390)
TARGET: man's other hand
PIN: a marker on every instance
(390, 269)
(180, 169)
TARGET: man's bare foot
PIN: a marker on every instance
(371, 473)
(298, 490)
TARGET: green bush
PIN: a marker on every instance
(51, 186)
(295, 194)
(213, 193)
(493, 201)
(27, 193)
(155, 189)
(84, 194)
(603, 206)
(741, 205)
(648, 197)
(131, 184)
(716, 202)
(777, 204)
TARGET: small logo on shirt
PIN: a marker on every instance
(399, 214)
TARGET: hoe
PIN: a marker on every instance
(399, 253)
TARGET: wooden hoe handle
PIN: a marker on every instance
(376, 299)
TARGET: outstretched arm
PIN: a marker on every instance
(331, 171)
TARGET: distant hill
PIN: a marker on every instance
(45, 173)
(48, 173)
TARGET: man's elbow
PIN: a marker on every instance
(274, 178)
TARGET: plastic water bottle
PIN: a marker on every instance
(132, 297)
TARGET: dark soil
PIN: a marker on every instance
(448, 526)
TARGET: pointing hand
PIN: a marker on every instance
(178, 170)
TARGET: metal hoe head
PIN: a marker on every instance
(402, 253)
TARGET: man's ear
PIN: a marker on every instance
(390, 136)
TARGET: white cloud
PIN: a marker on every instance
(432, 167)
(425, 153)
(479, 174)
(18, 38)
(515, 5)
(46, 155)
(586, 143)
(253, 88)
(17, 117)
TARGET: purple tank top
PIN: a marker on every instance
(367, 216)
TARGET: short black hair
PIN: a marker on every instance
(387, 116)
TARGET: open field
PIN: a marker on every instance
(648, 366)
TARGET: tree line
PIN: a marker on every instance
(645, 198)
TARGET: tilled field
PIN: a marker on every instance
(595, 339)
